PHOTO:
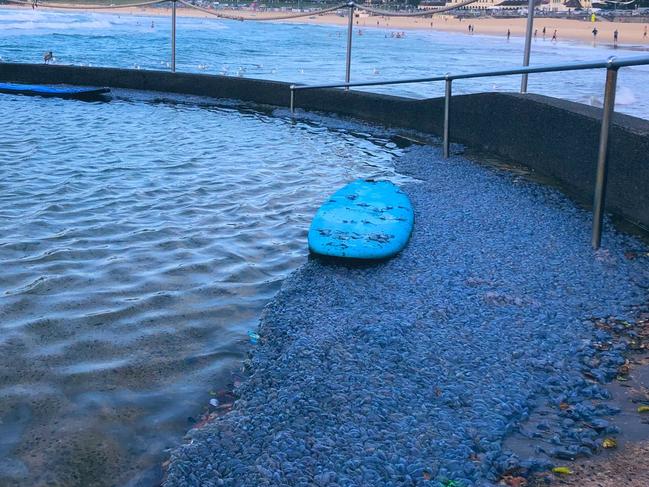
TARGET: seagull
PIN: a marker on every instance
(48, 57)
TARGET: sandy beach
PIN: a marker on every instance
(630, 34)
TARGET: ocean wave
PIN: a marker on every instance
(625, 96)
(45, 20)
(62, 25)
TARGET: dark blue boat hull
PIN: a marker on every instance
(77, 92)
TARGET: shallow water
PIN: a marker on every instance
(139, 241)
(314, 53)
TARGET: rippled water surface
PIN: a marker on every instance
(139, 241)
(315, 53)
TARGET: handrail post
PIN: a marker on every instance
(602, 158)
(173, 36)
(447, 115)
(350, 31)
(528, 43)
(292, 104)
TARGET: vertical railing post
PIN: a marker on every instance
(528, 43)
(173, 36)
(447, 115)
(292, 105)
(602, 158)
(350, 32)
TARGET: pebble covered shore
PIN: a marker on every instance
(414, 370)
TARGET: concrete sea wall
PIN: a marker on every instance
(554, 137)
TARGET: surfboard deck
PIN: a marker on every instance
(363, 220)
(53, 90)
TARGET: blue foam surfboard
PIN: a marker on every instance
(52, 90)
(363, 220)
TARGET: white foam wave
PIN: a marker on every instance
(625, 96)
(39, 20)
(59, 26)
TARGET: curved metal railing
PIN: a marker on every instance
(423, 13)
(86, 7)
(612, 65)
(216, 13)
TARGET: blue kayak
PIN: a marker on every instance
(363, 220)
(60, 91)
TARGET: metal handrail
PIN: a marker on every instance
(611, 65)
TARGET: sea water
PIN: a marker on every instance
(139, 241)
(303, 53)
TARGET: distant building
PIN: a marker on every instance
(552, 5)
(431, 4)
(491, 4)
(480, 4)
(513, 4)
(564, 5)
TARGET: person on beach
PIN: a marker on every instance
(595, 33)
(554, 35)
(509, 33)
(615, 33)
(644, 36)
(535, 32)
(543, 31)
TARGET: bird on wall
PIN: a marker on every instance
(48, 57)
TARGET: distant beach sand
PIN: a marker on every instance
(630, 34)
